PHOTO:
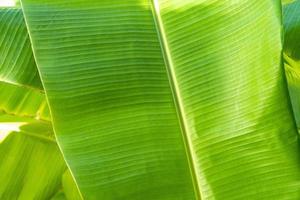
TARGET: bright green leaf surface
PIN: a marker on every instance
(17, 63)
(31, 164)
(226, 57)
(69, 187)
(224, 131)
(21, 89)
(111, 101)
(22, 101)
(284, 2)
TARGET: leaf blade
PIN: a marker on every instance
(142, 156)
(117, 41)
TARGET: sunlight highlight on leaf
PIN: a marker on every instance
(7, 3)
(7, 128)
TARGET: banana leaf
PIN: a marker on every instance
(291, 53)
(168, 99)
(31, 163)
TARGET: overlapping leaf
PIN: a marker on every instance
(31, 163)
(292, 53)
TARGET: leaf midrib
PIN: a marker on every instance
(190, 152)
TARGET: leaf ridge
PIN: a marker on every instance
(176, 97)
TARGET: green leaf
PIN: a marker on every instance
(59, 196)
(21, 101)
(69, 187)
(21, 89)
(284, 2)
(292, 54)
(69, 190)
(17, 65)
(31, 163)
(143, 152)
(168, 99)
